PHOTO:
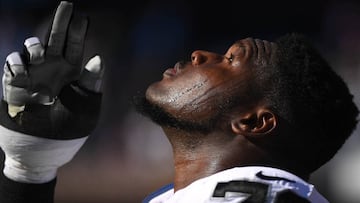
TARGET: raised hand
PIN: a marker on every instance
(38, 74)
(51, 103)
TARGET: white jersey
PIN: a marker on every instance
(242, 184)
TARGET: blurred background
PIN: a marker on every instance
(128, 157)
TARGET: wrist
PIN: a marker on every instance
(19, 172)
(31, 159)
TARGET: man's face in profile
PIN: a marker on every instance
(198, 90)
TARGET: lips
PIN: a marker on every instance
(170, 72)
(173, 71)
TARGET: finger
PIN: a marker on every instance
(16, 84)
(15, 71)
(34, 50)
(57, 34)
(75, 39)
(15, 80)
(92, 75)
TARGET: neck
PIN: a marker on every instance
(197, 155)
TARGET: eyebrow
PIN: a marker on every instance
(261, 50)
(240, 44)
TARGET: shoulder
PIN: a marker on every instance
(161, 195)
(254, 184)
(263, 184)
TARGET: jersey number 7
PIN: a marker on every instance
(252, 192)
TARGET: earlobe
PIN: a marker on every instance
(260, 122)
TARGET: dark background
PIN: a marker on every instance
(128, 157)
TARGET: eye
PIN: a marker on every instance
(230, 58)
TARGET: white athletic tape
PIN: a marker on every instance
(31, 41)
(35, 49)
(14, 110)
(91, 77)
(32, 159)
(14, 59)
(94, 64)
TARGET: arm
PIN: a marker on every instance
(50, 105)
(17, 192)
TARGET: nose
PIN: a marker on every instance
(199, 57)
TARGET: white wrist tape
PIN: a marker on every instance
(32, 159)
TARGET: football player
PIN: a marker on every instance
(249, 125)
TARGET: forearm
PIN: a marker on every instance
(17, 192)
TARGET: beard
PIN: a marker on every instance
(159, 116)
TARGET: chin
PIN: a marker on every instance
(152, 94)
(158, 94)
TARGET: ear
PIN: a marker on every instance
(259, 122)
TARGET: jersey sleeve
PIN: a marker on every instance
(246, 184)
(161, 195)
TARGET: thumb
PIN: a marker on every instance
(92, 75)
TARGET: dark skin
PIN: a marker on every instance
(195, 90)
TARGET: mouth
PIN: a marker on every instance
(171, 72)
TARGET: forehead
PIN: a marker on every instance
(243, 47)
(246, 44)
(260, 49)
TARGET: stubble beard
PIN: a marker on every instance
(159, 116)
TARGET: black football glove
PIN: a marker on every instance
(50, 102)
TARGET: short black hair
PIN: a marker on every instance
(311, 99)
